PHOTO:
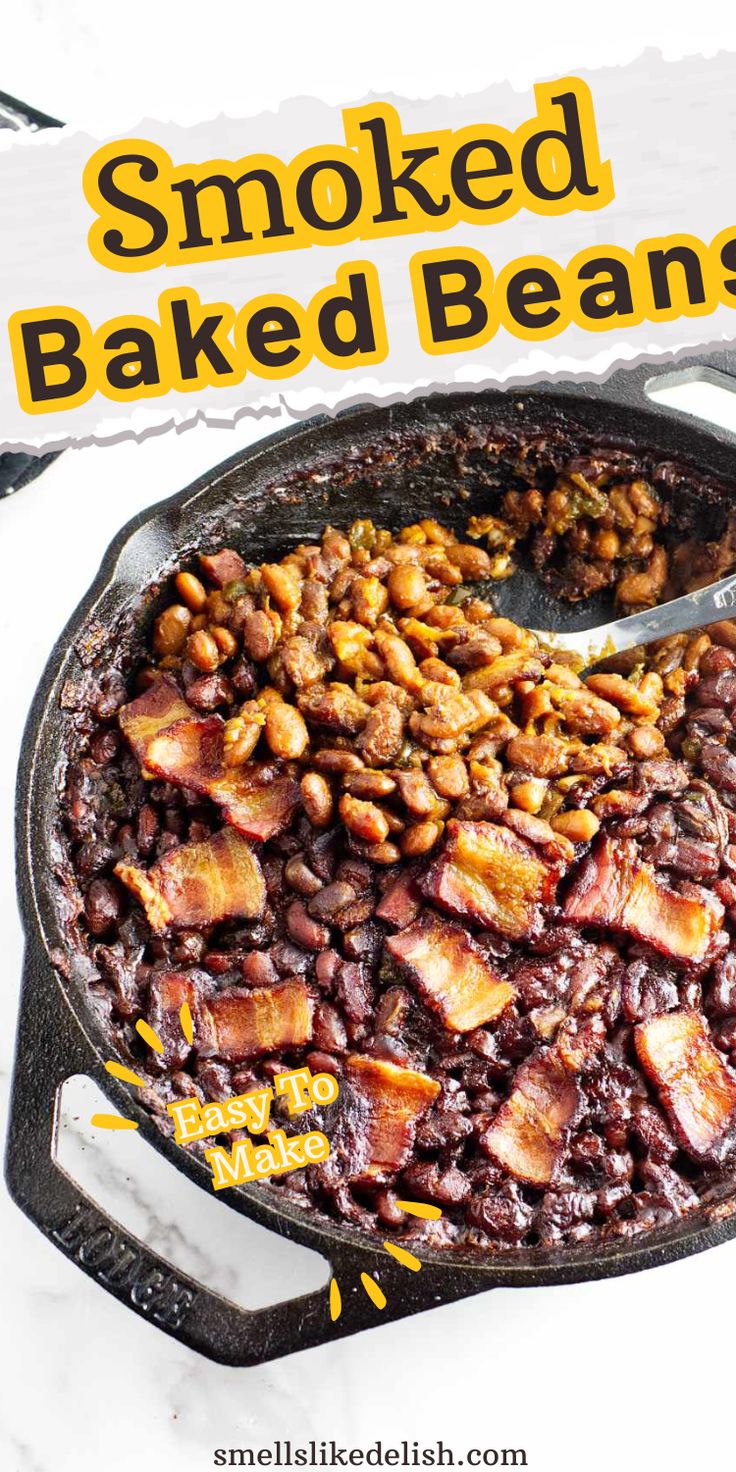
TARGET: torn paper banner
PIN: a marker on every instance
(318, 256)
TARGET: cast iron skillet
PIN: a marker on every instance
(249, 501)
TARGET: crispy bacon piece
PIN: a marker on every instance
(402, 901)
(490, 875)
(152, 712)
(383, 1106)
(188, 752)
(168, 991)
(450, 972)
(696, 1089)
(529, 1134)
(257, 798)
(245, 1024)
(200, 883)
(223, 567)
(617, 889)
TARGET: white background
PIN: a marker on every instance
(637, 1371)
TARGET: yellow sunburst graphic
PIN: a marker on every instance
(399, 1254)
(127, 1075)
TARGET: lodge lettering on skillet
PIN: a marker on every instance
(122, 1266)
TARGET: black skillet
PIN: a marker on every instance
(392, 464)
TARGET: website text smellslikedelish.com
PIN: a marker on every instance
(379, 1454)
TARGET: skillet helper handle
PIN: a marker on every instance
(630, 385)
(50, 1049)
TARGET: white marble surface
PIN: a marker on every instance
(588, 1376)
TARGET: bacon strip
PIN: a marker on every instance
(256, 797)
(383, 1106)
(200, 884)
(488, 874)
(245, 1024)
(529, 1134)
(152, 712)
(616, 889)
(695, 1087)
(451, 972)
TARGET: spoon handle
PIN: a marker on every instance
(693, 611)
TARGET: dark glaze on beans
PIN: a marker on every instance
(440, 920)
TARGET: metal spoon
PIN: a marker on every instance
(693, 611)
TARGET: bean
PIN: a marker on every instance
(529, 795)
(399, 660)
(102, 905)
(171, 628)
(560, 674)
(300, 877)
(191, 591)
(369, 599)
(327, 904)
(510, 636)
(329, 1029)
(326, 968)
(436, 669)
(439, 568)
(217, 608)
(416, 793)
(382, 853)
(363, 819)
(258, 969)
(240, 739)
(441, 536)
(606, 545)
(283, 584)
(445, 616)
(317, 799)
(369, 784)
(448, 775)
(104, 747)
(382, 737)
(627, 696)
(225, 641)
(578, 825)
(419, 838)
(319, 1062)
(335, 544)
(645, 741)
(473, 562)
(724, 633)
(305, 931)
(335, 761)
(93, 856)
(286, 730)
(259, 635)
(147, 828)
(203, 651)
(407, 586)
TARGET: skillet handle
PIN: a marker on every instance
(629, 386)
(51, 1047)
